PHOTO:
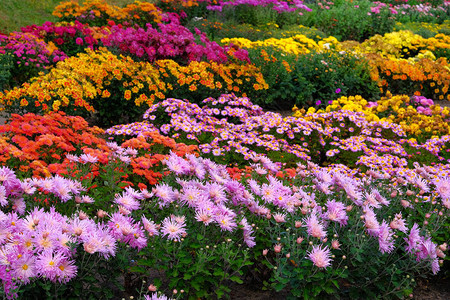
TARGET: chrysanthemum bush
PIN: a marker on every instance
(310, 234)
(407, 63)
(70, 38)
(113, 89)
(40, 145)
(169, 41)
(31, 55)
(232, 129)
(311, 78)
(99, 13)
(324, 225)
(418, 116)
(350, 20)
(404, 44)
(56, 233)
(425, 77)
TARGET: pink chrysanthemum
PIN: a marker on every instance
(226, 222)
(173, 228)
(150, 226)
(321, 257)
(127, 201)
(371, 222)
(336, 212)
(314, 227)
(385, 240)
(413, 239)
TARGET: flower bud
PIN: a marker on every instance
(277, 248)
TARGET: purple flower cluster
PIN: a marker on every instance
(241, 127)
(168, 41)
(423, 105)
(206, 188)
(277, 5)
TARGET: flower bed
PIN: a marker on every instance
(196, 187)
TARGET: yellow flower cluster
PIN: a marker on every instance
(424, 26)
(396, 44)
(72, 9)
(93, 76)
(297, 44)
(393, 109)
(402, 44)
(78, 80)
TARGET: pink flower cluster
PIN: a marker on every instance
(423, 105)
(29, 50)
(168, 41)
(379, 5)
(241, 127)
(76, 33)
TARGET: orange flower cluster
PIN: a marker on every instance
(101, 10)
(40, 144)
(34, 143)
(87, 79)
(145, 164)
(424, 77)
(227, 78)
(79, 81)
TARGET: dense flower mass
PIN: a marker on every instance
(279, 6)
(235, 125)
(194, 188)
(298, 44)
(70, 38)
(168, 41)
(98, 81)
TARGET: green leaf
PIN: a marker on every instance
(137, 269)
(219, 293)
(336, 284)
(196, 285)
(236, 279)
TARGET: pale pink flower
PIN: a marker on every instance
(279, 217)
(385, 238)
(277, 248)
(173, 229)
(335, 244)
(87, 158)
(321, 257)
(314, 227)
(371, 222)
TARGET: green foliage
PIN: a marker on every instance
(349, 20)
(426, 30)
(203, 264)
(6, 65)
(314, 78)
(437, 14)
